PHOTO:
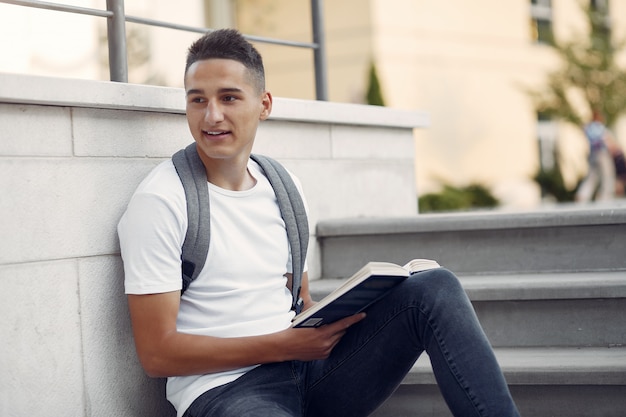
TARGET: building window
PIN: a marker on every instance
(541, 21)
(547, 130)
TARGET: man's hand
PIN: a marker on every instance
(307, 344)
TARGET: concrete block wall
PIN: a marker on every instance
(71, 154)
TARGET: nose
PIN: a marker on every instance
(213, 113)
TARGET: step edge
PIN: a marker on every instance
(539, 366)
(542, 286)
(459, 222)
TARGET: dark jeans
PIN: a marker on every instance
(428, 312)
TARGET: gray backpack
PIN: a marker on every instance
(195, 248)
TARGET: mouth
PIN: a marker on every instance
(215, 134)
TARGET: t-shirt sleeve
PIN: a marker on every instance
(151, 233)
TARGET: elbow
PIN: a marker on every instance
(154, 372)
(154, 366)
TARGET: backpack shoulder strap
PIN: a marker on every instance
(294, 214)
(195, 248)
(192, 175)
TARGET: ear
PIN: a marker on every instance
(266, 105)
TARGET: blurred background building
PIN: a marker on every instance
(468, 64)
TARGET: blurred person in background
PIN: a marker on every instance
(601, 174)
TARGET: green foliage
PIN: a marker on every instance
(551, 182)
(457, 198)
(588, 69)
(374, 95)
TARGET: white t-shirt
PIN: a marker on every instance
(241, 290)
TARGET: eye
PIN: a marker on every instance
(197, 100)
(229, 98)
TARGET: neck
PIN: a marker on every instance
(229, 174)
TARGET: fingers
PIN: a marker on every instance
(348, 321)
(318, 343)
(338, 329)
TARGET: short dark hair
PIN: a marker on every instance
(228, 44)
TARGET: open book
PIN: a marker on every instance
(367, 286)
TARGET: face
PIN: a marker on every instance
(224, 109)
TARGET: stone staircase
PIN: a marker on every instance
(549, 288)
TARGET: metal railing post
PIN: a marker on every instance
(116, 27)
(319, 53)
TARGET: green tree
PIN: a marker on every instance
(552, 183)
(470, 197)
(588, 69)
(374, 95)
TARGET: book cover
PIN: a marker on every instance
(368, 285)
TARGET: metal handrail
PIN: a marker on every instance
(116, 35)
(59, 7)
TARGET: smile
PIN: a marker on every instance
(215, 133)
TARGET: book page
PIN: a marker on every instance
(416, 265)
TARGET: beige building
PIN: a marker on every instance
(465, 63)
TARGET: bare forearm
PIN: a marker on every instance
(186, 354)
(164, 351)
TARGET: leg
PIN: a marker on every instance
(430, 311)
(267, 390)
(607, 181)
(590, 183)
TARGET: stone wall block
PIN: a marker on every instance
(64, 208)
(359, 188)
(122, 133)
(363, 142)
(41, 360)
(27, 130)
(284, 139)
(115, 382)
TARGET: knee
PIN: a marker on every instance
(439, 293)
(437, 283)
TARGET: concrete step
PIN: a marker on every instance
(549, 288)
(551, 309)
(572, 382)
(544, 285)
(542, 309)
(547, 366)
(571, 239)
